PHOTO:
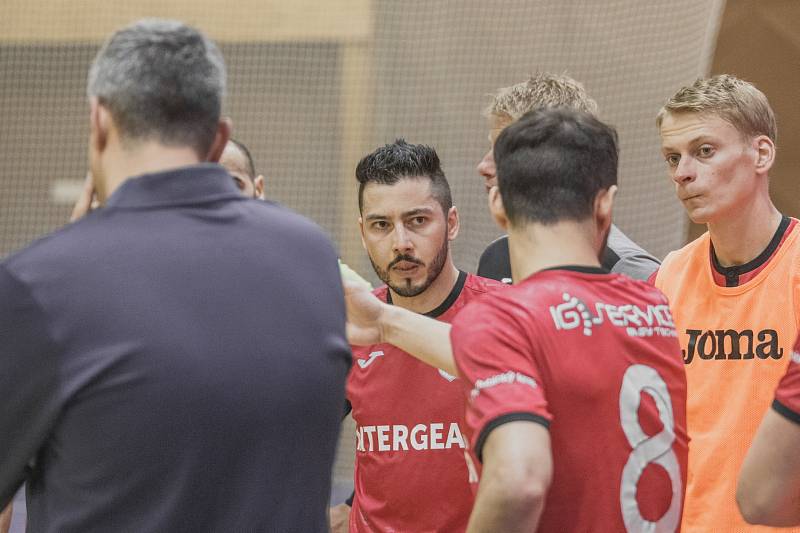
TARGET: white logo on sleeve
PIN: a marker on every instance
(364, 363)
(506, 378)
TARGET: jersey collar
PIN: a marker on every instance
(583, 269)
(732, 273)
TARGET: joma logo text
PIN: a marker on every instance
(722, 344)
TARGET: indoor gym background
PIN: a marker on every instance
(315, 85)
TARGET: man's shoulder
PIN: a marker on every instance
(61, 246)
(473, 292)
(698, 248)
(683, 268)
(625, 256)
(499, 244)
(279, 216)
(494, 262)
(480, 284)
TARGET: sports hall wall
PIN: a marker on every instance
(316, 84)
(759, 41)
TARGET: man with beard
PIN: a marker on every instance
(555, 368)
(410, 416)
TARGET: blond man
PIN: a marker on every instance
(621, 254)
(734, 291)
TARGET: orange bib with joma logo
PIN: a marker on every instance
(736, 343)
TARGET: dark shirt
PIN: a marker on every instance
(174, 361)
(621, 255)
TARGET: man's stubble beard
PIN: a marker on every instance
(434, 269)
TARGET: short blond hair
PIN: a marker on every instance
(736, 101)
(539, 91)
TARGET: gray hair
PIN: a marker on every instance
(162, 80)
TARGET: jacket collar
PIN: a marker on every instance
(205, 182)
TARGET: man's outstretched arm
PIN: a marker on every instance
(370, 321)
(517, 470)
(769, 482)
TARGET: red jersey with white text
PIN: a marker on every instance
(412, 470)
(593, 357)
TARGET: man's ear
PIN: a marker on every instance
(765, 153)
(361, 232)
(453, 223)
(220, 140)
(603, 208)
(99, 125)
(258, 185)
(497, 209)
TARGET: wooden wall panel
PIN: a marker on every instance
(25, 21)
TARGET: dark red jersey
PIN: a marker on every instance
(412, 470)
(593, 357)
(787, 396)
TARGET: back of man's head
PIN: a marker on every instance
(552, 163)
(161, 80)
(392, 162)
(540, 90)
(736, 101)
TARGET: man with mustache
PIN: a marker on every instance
(568, 361)
(409, 416)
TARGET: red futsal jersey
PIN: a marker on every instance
(593, 357)
(412, 469)
(787, 396)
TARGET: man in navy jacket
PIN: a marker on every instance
(175, 360)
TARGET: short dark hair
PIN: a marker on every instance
(390, 163)
(162, 80)
(552, 163)
(248, 158)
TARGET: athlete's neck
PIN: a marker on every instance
(122, 163)
(434, 295)
(742, 236)
(535, 247)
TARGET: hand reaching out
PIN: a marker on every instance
(364, 311)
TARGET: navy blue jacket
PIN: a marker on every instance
(174, 361)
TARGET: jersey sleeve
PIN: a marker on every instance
(499, 368)
(787, 396)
